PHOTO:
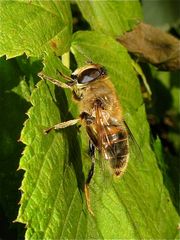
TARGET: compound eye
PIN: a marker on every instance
(89, 75)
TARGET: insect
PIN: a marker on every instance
(101, 114)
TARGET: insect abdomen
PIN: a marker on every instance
(116, 149)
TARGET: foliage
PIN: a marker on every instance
(52, 205)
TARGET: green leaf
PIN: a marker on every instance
(167, 89)
(14, 102)
(165, 108)
(138, 206)
(168, 13)
(34, 27)
(56, 165)
(139, 202)
(111, 17)
(51, 202)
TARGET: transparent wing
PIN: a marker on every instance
(103, 129)
(112, 141)
(99, 134)
(133, 145)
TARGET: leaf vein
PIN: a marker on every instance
(68, 212)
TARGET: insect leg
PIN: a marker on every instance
(63, 125)
(54, 81)
(69, 123)
(90, 174)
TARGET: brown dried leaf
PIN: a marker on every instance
(154, 46)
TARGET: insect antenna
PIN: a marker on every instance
(64, 76)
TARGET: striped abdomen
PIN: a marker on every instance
(115, 148)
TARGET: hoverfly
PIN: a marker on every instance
(101, 114)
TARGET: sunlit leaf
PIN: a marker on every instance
(111, 17)
(133, 207)
(137, 206)
(53, 203)
(34, 27)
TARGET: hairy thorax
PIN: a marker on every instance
(104, 92)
